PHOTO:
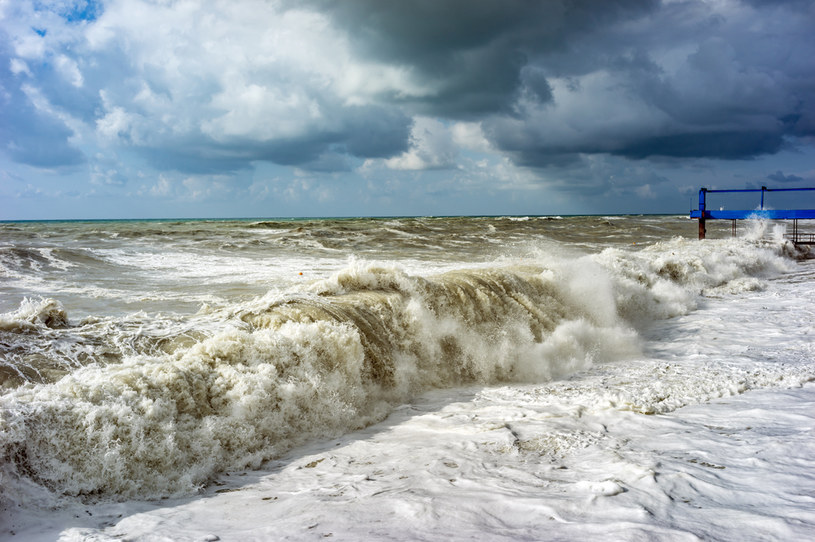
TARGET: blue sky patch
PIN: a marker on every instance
(87, 10)
(74, 12)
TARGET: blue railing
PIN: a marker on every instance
(703, 213)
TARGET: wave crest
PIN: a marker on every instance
(34, 313)
(338, 356)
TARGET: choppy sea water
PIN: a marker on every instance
(142, 360)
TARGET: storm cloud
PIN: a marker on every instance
(631, 78)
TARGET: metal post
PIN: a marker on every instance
(702, 231)
(763, 188)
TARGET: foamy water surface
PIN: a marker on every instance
(471, 376)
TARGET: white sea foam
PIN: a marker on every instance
(33, 313)
(287, 368)
(542, 391)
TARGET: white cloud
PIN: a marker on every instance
(18, 66)
(162, 188)
(235, 70)
(30, 46)
(69, 70)
(102, 176)
(645, 192)
(470, 136)
(262, 113)
(195, 188)
(431, 147)
(115, 124)
(202, 78)
(200, 188)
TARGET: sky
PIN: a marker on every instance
(263, 108)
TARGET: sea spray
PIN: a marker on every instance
(304, 366)
(34, 313)
(39, 343)
(337, 355)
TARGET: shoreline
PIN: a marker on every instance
(329, 488)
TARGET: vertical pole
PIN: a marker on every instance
(702, 193)
(763, 188)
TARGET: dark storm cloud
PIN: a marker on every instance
(374, 132)
(779, 177)
(369, 132)
(731, 83)
(474, 54)
(429, 35)
(728, 145)
(210, 158)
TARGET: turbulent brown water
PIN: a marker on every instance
(139, 359)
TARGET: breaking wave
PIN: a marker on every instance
(33, 314)
(336, 356)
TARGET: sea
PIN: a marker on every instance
(406, 378)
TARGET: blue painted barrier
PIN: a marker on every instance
(702, 213)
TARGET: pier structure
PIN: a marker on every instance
(799, 238)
